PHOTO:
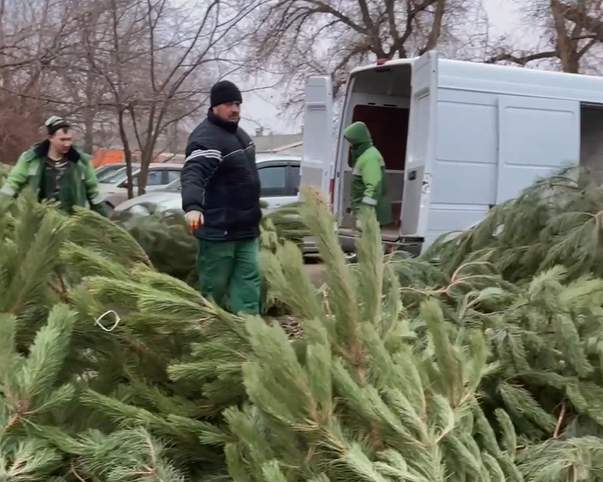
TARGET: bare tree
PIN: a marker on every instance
(33, 35)
(590, 19)
(569, 34)
(142, 65)
(295, 38)
(157, 61)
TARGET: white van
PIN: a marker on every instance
(457, 138)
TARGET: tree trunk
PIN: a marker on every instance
(172, 141)
(576, 15)
(127, 151)
(566, 46)
(89, 129)
(90, 89)
(145, 161)
(436, 27)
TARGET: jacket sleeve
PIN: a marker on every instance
(371, 178)
(17, 177)
(200, 165)
(91, 184)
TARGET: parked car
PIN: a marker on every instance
(114, 189)
(279, 178)
(116, 176)
(105, 172)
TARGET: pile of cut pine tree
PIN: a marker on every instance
(480, 361)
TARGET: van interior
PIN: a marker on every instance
(380, 98)
(591, 140)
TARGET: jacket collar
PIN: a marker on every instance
(231, 127)
(41, 150)
(358, 150)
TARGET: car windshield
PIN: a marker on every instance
(115, 177)
(173, 186)
(107, 172)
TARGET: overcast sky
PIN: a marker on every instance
(262, 108)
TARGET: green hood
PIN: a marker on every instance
(358, 135)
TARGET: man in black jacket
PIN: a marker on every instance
(221, 201)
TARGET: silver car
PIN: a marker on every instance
(114, 188)
(105, 172)
(279, 180)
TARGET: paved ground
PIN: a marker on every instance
(316, 272)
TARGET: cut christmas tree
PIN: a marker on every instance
(480, 361)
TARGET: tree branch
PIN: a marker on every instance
(436, 27)
(578, 16)
(323, 7)
(521, 60)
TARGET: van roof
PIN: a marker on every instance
(505, 79)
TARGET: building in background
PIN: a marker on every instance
(285, 144)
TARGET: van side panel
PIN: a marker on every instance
(490, 147)
(464, 175)
(537, 138)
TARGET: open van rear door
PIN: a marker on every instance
(420, 149)
(318, 134)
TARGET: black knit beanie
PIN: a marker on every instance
(223, 92)
(54, 123)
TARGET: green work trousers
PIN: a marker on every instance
(229, 274)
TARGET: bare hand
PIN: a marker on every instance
(194, 220)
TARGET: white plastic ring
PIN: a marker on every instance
(116, 322)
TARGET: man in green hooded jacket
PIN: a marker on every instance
(368, 181)
(56, 171)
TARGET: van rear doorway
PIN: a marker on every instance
(380, 98)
